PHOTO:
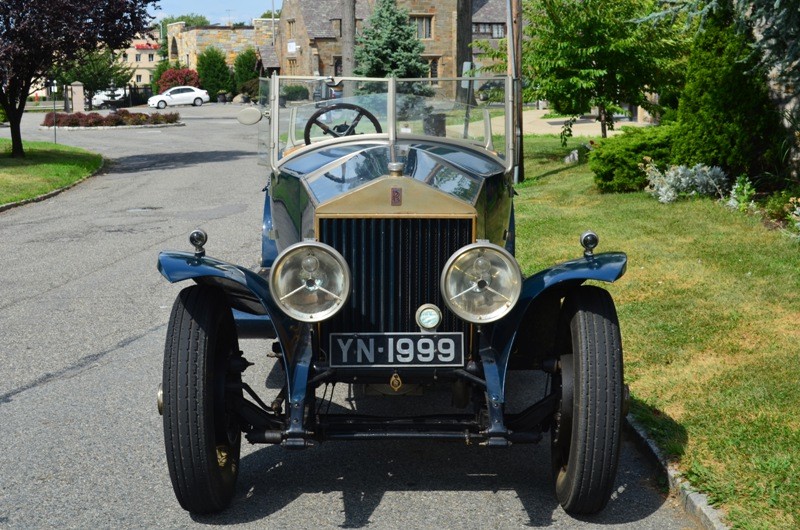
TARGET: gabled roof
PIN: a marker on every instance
(269, 59)
(319, 14)
(489, 12)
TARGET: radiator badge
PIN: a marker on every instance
(397, 196)
(395, 382)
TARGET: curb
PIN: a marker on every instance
(8, 206)
(692, 502)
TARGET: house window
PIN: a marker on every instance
(138, 57)
(337, 66)
(125, 57)
(292, 67)
(138, 78)
(433, 69)
(424, 25)
(498, 31)
(290, 29)
(151, 57)
(337, 27)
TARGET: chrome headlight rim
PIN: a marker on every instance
(292, 251)
(512, 268)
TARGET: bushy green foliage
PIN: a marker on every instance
(597, 53)
(215, 76)
(616, 161)
(251, 88)
(245, 68)
(725, 116)
(294, 92)
(388, 46)
(2, 115)
(97, 70)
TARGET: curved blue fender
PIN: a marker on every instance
(607, 267)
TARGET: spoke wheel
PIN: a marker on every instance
(201, 434)
(587, 429)
(343, 129)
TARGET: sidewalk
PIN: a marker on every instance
(533, 123)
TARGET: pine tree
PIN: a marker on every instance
(215, 76)
(388, 46)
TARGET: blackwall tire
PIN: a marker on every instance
(586, 434)
(201, 436)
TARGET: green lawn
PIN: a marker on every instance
(46, 167)
(710, 318)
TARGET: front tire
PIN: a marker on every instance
(200, 389)
(162, 104)
(587, 429)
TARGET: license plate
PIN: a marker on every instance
(390, 350)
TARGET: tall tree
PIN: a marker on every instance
(245, 67)
(594, 53)
(35, 36)
(97, 70)
(215, 76)
(388, 46)
(725, 115)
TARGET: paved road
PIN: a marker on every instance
(83, 313)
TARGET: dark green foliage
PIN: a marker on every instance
(97, 70)
(294, 92)
(388, 45)
(616, 160)
(725, 116)
(215, 76)
(251, 88)
(245, 68)
(2, 115)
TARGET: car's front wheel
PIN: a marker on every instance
(162, 104)
(201, 385)
(198, 102)
(587, 428)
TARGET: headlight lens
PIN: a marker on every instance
(310, 281)
(481, 282)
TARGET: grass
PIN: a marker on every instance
(45, 168)
(710, 318)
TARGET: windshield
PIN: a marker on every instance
(306, 110)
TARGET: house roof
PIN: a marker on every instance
(269, 59)
(488, 12)
(319, 14)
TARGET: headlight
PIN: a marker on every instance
(310, 281)
(481, 282)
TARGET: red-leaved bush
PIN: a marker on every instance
(178, 77)
(120, 117)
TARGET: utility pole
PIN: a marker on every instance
(348, 27)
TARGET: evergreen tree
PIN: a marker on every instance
(388, 45)
(725, 115)
(245, 67)
(215, 76)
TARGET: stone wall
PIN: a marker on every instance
(185, 44)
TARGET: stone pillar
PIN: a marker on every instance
(78, 100)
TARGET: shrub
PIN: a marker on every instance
(2, 115)
(742, 194)
(778, 205)
(178, 77)
(294, 92)
(245, 68)
(170, 117)
(93, 119)
(114, 119)
(251, 88)
(681, 181)
(120, 117)
(215, 76)
(616, 161)
(725, 115)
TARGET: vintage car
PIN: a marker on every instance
(387, 265)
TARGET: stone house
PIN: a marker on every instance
(186, 43)
(309, 38)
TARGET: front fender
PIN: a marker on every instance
(606, 267)
(247, 291)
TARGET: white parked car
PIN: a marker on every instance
(179, 95)
(106, 98)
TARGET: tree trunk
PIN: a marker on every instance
(14, 120)
(601, 115)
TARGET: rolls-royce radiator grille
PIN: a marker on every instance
(395, 266)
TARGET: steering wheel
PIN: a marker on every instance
(343, 129)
